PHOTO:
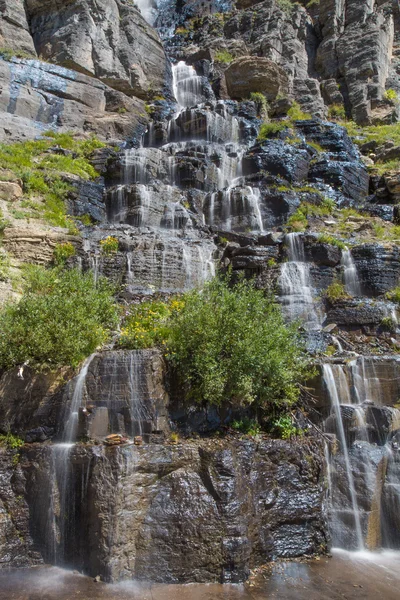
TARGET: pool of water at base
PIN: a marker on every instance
(344, 575)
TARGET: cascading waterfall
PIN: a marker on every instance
(364, 489)
(187, 85)
(61, 507)
(350, 275)
(295, 284)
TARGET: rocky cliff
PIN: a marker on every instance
(255, 137)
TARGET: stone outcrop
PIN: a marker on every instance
(356, 51)
(14, 29)
(109, 40)
(255, 74)
(186, 513)
(38, 96)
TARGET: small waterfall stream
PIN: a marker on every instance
(363, 466)
(296, 286)
(350, 275)
(61, 520)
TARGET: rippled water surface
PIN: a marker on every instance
(345, 575)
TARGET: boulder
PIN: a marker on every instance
(10, 191)
(255, 74)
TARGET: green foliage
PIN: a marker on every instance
(3, 222)
(286, 5)
(109, 245)
(394, 295)
(298, 221)
(247, 426)
(335, 292)
(62, 252)
(85, 220)
(4, 266)
(41, 171)
(62, 317)
(285, 428)
(147, 324)
(392, 96)
(230, 344)
(9, 53)
(223, 56)
(296, 114)
(271, 130)
(260, 101)
(316, 146)
(325, 238)
(337, 111)
(12, 442)
(389, 323)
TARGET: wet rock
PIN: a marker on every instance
(255, 74)
(190, 505)
(378, 267)
(277, 158)
(355, 314)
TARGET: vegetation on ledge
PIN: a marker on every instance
(62, 317)
(225, 344)
(42, 173)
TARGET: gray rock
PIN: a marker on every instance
(14, 28)
(255, 74)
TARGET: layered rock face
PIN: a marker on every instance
(178, 513)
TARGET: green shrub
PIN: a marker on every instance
(296, 114)
(271, 130)
(335, 292)
(247, 426)
(260, 101)
(109, 245)
(286, 5)
(230, 344)
(324, 238)
(147, 324)
(4, 266)
(12, 442)
(62, 252)
(389, 323)
(9, 53)
(224, 57)
(316, 146)
(394, 295)
(284, 427)
(337, 111)
(62, 317)
(392, 96)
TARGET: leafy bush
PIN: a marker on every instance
(335, 292)
(62, 252)
(224, 57)
(286, 5)
(147, 324)
(12, 442)
(298, 221)
(285, 428)
(325, 238)
(394, 295)
(62, 317)
(271, 130)
(392, 96)
(109, 245)
(4, 266)
(337, 111)
(230, 344)
(9, 53)
(247, 426)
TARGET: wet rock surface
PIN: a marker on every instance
(189, 505)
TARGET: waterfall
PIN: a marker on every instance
(138, 412)
(363, 473)
(187, 85)
(61, 511)
(350, 276)
(295, 284)
(330, 383)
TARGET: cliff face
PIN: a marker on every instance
(208, 165)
